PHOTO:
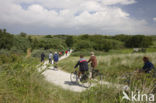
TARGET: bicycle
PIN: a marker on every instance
(84, 79)
(97, 76)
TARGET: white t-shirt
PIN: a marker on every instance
(50, 55)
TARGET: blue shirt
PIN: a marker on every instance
(56, 57)
(148, 66)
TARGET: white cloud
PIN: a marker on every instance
(123, 2)
(71, 16)
(154, 19)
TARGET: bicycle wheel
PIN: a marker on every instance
(73, 77)
(85, 81)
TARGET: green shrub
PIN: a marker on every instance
(21, 43)
(69, 41)
(138, 41)
(9, 58)
(20, 82)
(6, 39)
(51, 43)
(107, 44)
(83, 44)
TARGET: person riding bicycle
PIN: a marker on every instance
(148, 66)
(93, 61)
(83, 66)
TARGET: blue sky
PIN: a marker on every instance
(79, 16)
(143, 9)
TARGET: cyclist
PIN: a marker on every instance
(93, 61)
(83, 66)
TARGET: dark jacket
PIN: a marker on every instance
(56, 57)
(83, 65)
(148, 66)
(42, 55)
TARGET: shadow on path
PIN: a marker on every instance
(74, 84)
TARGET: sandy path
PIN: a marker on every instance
(62, 79)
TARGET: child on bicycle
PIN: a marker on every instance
(83, 65)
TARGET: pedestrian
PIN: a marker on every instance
(50, 57)
(42, 57)
(66, 52)
(56, 59)
(60, 53)
(69, 50)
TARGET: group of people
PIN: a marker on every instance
(51, 57)
(66, 52)
(83, 65)
(54, 57)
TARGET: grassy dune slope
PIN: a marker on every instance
(20, 82)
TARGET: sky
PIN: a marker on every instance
(107, 17)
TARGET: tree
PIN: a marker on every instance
(6, 40)
(23, 34)
(69, 41)
(21, 43)
(30, 38)
(103, 44)
(83, 44)
(48, 36)
(138, 41)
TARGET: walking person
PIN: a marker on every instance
(60, 53)
(50, 57)
(69, 50)
(42, 57)
(56, 59)
(66, 52)
(93, 61)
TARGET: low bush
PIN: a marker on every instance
(20, 82)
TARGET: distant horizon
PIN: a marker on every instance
(85, 34)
